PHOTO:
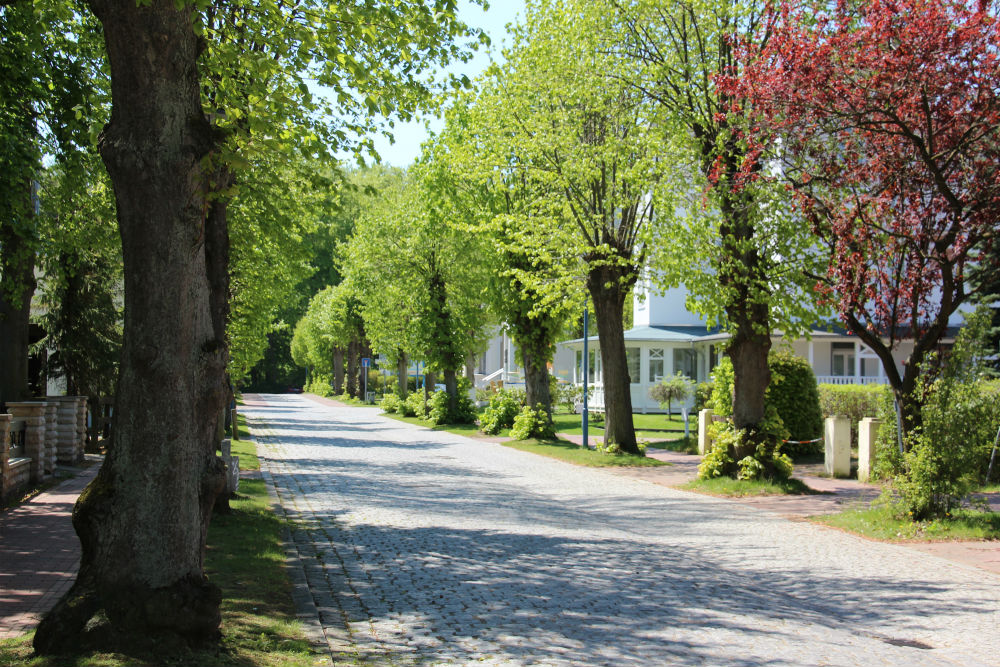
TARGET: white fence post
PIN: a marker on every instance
(867, 431)
(837, 443)
(704, 441)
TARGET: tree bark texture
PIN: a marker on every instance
(338, 370)
(352, 368)
(142, 522)
(743, 274)
(536, 381)
(402, 364)
(451, 388)
(17, 265)
(608, 288)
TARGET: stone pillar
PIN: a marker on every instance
(67, 452)
(867, 431)
(33, 412)
(4, 453)
(51, 435)
(704, 441)
(837, 442)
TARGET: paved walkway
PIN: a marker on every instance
(39, 553)
(427, 547)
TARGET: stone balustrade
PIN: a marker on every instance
(33, 413)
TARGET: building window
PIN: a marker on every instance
(632, 362)
(655, 365)
(594, 364)
(842, 361)
(686, 362)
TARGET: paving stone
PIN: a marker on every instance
(457, 551)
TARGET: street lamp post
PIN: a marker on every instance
(586, 375)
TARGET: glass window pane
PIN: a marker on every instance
(656, 368)
(632, 361)
(686, 362)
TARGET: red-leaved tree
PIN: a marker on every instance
(884, 117)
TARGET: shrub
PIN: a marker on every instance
(702, 396)
(414, 405)
(532, 423)
(500, 413)
(793, 394)
(390, 403)
(677, 388)
(767, 461)
(437, 407)
(854, 401)
(946, 457)
(439, 411)
(722, 388)
(319, 385)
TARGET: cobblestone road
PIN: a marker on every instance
(428, 548)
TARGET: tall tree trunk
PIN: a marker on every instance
(743, 274)
(402, 364)
(429, 382)
(17, 269)
(608, 289)
(536, 381)
(338, 370)
(352, 368)
(142, 522)
(451, 388)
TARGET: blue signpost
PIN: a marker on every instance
(366, 363)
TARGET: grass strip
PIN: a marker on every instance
(468, 430)
(567, 451)
(737, 488)
(245, 558)
(879, 523)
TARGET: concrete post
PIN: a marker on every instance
(867, 431)
(67, 452)
(33, 412)
(837, 442)
(704, 441)
(4, 452)
(51, 435)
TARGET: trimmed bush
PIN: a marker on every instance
(390, 403)
(500, 413)
(532, 423)
(414, 405)
(854, 401)
(793, 394)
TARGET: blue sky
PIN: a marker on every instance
(410, 135)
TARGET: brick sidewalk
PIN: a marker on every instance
(39, 554)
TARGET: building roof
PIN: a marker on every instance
(660, 334)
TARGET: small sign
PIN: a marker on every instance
(366, 362)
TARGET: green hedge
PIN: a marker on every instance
(854, 401)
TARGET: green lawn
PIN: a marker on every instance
(879, 523)
(246, 559)
(470, 430)
(566, 451)
(724, 486)
(653, 428)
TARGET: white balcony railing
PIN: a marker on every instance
(849, 379)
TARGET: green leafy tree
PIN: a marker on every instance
(677, 388)
(580, 136)
(80, 295)
(196, 89)
(727, 236)
(48, 79)
(420, 282)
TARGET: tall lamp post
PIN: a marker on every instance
(586, 375)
